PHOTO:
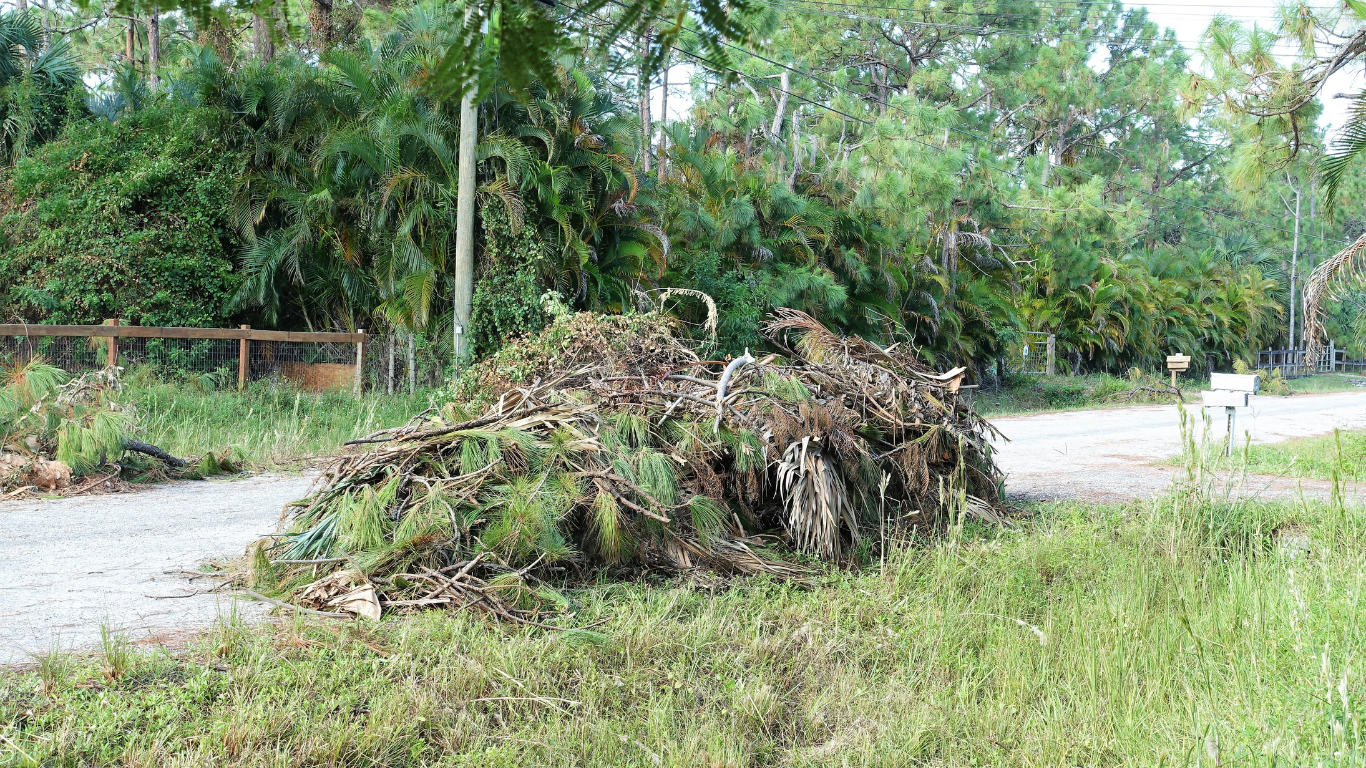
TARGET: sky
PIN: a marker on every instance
(1189, 20)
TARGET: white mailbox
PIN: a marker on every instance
(1230, 392)
(1235, 382)
(1224, 399)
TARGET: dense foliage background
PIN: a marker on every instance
(946, 175)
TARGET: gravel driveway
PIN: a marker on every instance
(67, 566)
(1107, 455)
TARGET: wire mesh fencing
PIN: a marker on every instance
(396, 363)
(1036, 354)
(216, 357)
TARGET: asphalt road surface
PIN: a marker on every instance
(1108, 455)
(69, 566)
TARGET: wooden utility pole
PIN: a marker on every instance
(463, 295)
(153, 48)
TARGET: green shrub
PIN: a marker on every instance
(125, 219)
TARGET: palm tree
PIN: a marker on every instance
(36, 76)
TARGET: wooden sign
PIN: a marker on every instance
(1235, 382)
(1178, 362)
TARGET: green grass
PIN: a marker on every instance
(1341, 455)
(1175, 632)
(1032, 393)
(1035, 393)
(1327, 382)
(270, 425)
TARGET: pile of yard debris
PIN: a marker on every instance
(69, 435)
(608, 442)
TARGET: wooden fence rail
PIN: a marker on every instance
(246, 334)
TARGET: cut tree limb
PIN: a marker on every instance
(152, 450)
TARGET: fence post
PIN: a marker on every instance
(243, 360)
(1332, 356)
(113, 357)
(1051, 366)
(389, 388)
(360, 363)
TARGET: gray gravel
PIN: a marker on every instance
(68, 566)
(1107, 455)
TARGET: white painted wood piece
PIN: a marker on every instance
(1235, 382)
(1222, 399)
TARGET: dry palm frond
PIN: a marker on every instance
(1318, 287)
(817, 501)
(608, 442)
(712, 315)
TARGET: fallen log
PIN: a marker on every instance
(152, 450)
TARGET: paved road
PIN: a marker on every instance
(67, 566)
(1107, 455)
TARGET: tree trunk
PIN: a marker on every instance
(152, 450)
(153, 49)
(389, 389)
(784, 85)
(462, 297)
(1294, 267)
(320, 16)
(21, 6)
(663, 115)
(646, 124)
(129, 39)
(412, 363)
(262, 44)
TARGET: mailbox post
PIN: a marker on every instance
(1177, 363)
(1230, 391)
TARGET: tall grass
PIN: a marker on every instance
(1326, 382)
(1339, 457)
(1035, 393)
(270, 424)
(1184, 631)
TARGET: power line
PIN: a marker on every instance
(717, 67)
